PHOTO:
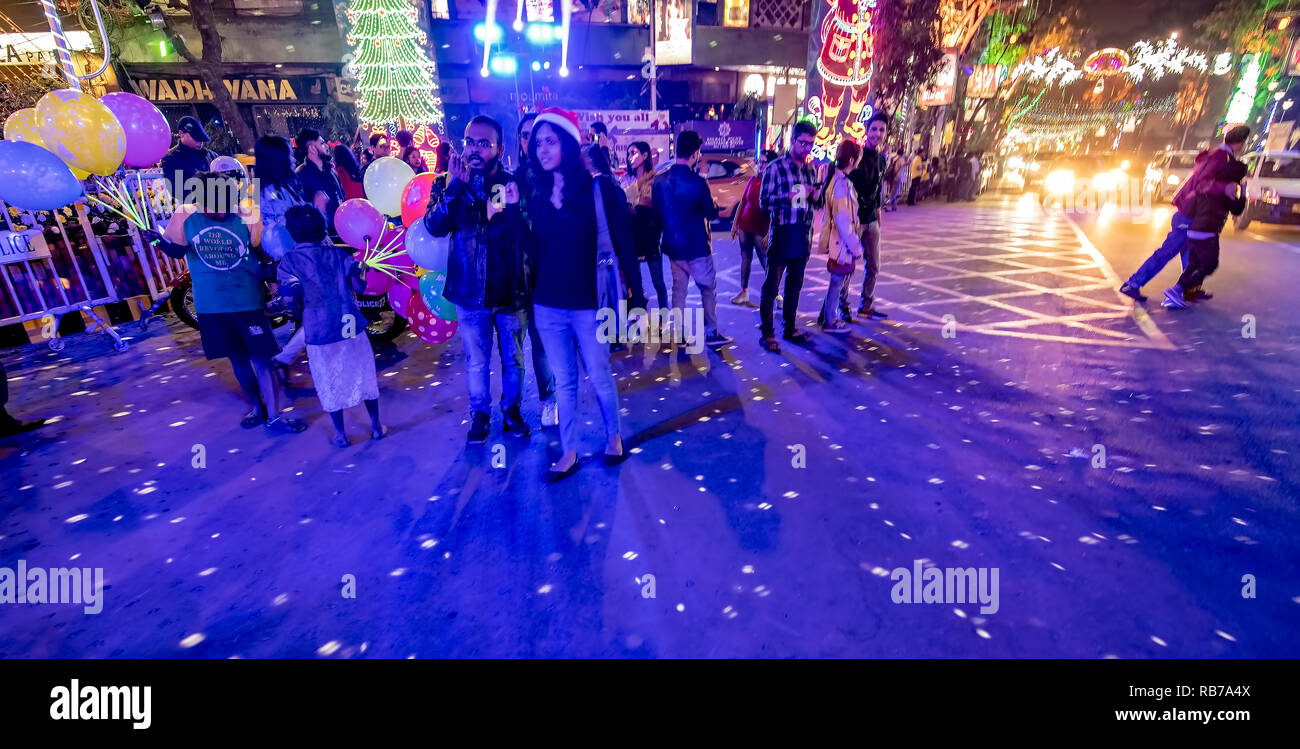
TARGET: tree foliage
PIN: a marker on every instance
(908, 49)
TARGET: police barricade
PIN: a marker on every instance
(80, 257)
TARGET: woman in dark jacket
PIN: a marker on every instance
(576, 241)
(645, 222)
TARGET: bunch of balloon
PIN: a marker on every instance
(432, 317)
(380, 250)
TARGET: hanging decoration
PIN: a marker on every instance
(1144, 60)
(397, 81)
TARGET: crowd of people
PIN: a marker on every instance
(536, 253)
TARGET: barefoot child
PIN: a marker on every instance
(339, 356)
(1209, 214)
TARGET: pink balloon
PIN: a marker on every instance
(377, 282)
(359, 223)
(398, 297)
(148, 135)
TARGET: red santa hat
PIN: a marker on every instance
(560, 118)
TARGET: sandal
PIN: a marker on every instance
(770, 344)
(253, 418)
(797, 336)
(378, 434)
(285, 425)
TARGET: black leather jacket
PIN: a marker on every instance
(461, 211)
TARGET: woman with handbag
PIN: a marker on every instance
(578, 224)
(840, 234)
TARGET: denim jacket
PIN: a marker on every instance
(461, 212)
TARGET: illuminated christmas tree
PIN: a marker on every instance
(397, 81)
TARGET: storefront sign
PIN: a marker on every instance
(983, 82)
(38, 49)
(725, 135)
(674, 31)
(939, 91)
(622, 120)
(306, 89)
(17, 246)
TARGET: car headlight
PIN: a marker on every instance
(1106, 180)
(1173, 179)
(1124, 165)
(1270, 196)
(1060, 181)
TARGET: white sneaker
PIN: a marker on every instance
(780, 303)
(741, 298)
(550, 414)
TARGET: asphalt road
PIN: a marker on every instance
(1123, 471)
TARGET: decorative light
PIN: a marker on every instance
(1223, 63)
(1243, 98)
(396, 81)
(1107, 62)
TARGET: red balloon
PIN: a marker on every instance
(427, 326)
(415, 198)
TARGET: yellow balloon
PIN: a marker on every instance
(81, 131)
(21, 126)
(79, 173)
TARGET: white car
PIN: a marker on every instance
(1167, 173)
(1272, 188)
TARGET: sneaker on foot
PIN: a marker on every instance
(513, 422)
(1174, 297)
(836, 328)
(1198, 295)
(1132, 292)
(780, 303)
(478, 430)
(550, 414)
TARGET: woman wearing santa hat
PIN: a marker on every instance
(580, 228)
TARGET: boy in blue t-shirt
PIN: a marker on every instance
(228, 268)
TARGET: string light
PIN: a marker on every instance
(396, 79)
(1144, 59)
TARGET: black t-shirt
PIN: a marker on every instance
(867, 179)
(565, 251)
(314, 180)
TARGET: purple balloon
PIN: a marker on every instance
(32, 178)
(148, 135)
(359, 223)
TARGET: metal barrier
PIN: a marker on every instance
(61, 264)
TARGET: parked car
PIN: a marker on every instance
(1272, 188)
(1168, 171)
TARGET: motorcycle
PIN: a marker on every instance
(283, 308)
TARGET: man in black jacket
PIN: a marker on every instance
(685, 206)
(486, 275)
(189, 156)
(868, 181)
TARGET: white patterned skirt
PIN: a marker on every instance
(343, 372)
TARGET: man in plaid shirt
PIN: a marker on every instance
(791, 195)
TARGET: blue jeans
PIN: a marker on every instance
(541, 367)
(476, 328)
(1175, 244)
(569, 334)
